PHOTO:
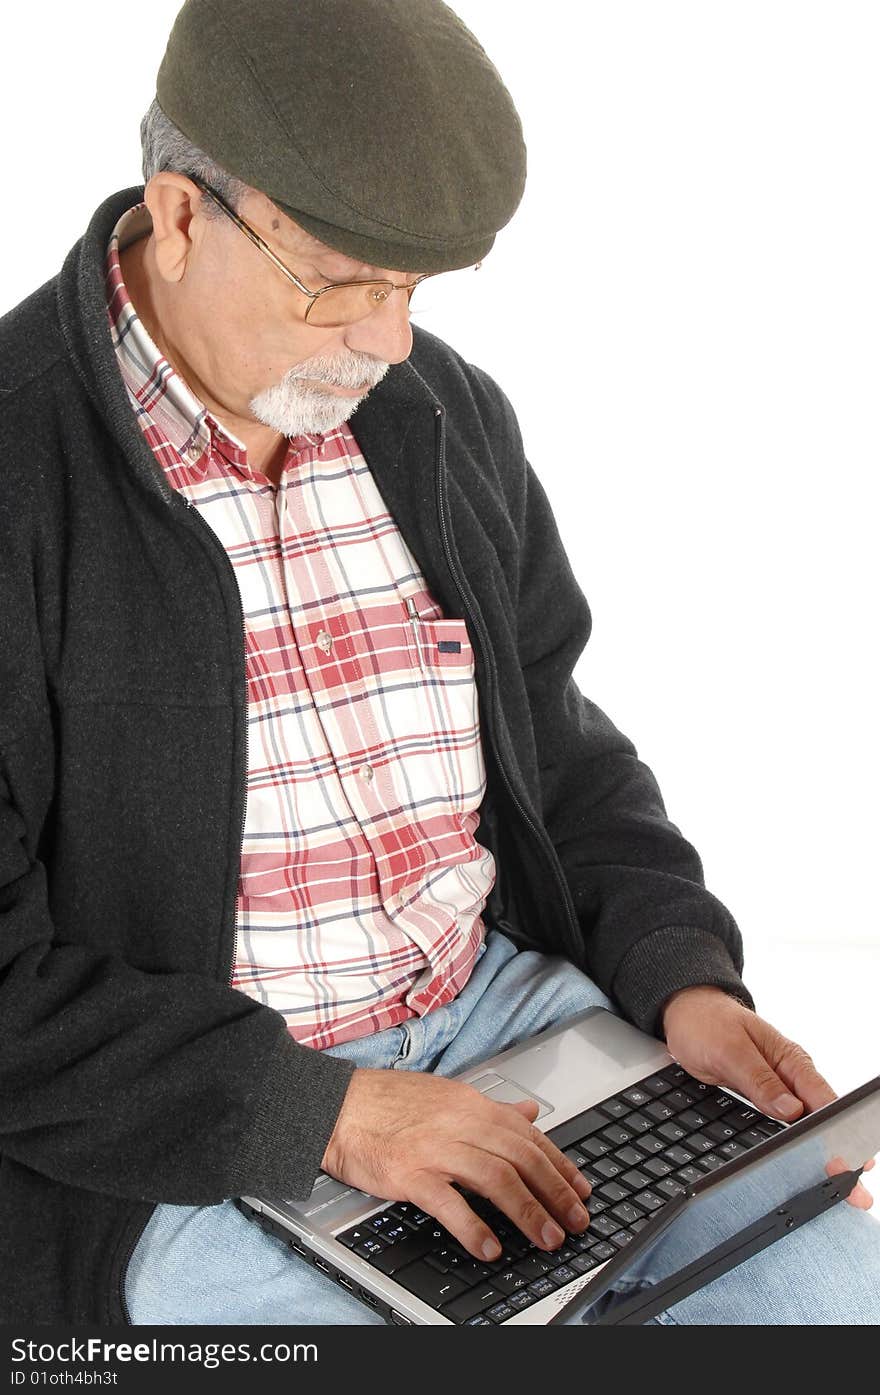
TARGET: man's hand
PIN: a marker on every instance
(722, 1042)
(408, 1136)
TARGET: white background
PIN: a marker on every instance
(685, 314)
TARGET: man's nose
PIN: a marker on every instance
(386, 333)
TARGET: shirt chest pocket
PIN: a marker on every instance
(442, 667)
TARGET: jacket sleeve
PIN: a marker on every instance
(151, 1086)
(649, 924)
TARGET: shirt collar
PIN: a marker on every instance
(161, 393)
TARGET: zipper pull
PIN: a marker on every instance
(415, 620)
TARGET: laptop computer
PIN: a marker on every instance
(660, 1149)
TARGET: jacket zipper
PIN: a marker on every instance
(478, 626)
(133, 1246)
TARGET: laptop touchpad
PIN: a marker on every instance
(506, 1092)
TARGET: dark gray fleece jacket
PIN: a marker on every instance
(130, 1071)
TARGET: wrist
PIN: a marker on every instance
(695, 990)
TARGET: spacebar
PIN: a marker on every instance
(404, 1252)
(573, 1130)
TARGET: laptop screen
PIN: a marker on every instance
(723, 1204)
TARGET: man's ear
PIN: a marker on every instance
(173, 201)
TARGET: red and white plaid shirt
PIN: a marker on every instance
(361, 883)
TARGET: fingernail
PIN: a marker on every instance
(582, 1185)
(578, 1219)
(786, 1104)
(552, 1236)
(491, 1249)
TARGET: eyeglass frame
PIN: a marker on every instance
(292, 276)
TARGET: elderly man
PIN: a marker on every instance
(300, 809)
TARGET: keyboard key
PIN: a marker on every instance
(479, 1321)
(732, 1149)
(509, 1281)
(582, 1264)
(613, 1191)
(713, 1108)
(355, 1236)
(615, 1108)
(562, 1274)
(639, 1224)
(635, 1096)
(394, 1257)
(500, 1313)
(741, 1116)
(584, 1242)
(627, 1156)
(696, 1090)
(691, 1119)
(476, 1300)
(650, 1143)
(607, 1168)
(541, 1287)
(419, 1278)
(533, 1266)
(626, 1213)
(382, 1222)
(769, 1126)
(690, 1174)
(750, 1137)
(678, 1155)
(670, 1187)
(369, 1247)
(577, 1157)
(604, 1251)
(648, 1201)
(523, 1299)
(719, 1131)
(621, 1238)
(672, 1131)
(655, 1085)
(674, 1073)
(591, 1121)
(603, 1226)
(596, 1204)
(396, 1232)
(710, 1161)
(658, 1167)
(677, 1100)
(636, 1180)
(637, 1123)
(698, 1143)
(443, 1260)
(595, 1147)
(616, 1135)
(659, 1110)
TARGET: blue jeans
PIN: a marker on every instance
(208, 1264)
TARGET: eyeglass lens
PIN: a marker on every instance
(341, 305)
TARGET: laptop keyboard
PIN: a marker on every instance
(639, 1149)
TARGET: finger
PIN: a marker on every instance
(859, 1196)
(450, 1208)
(795, 1067)
(569, 1170)
(498, 1180)
(530, 1108)
(552, 1185)
(745, 1067)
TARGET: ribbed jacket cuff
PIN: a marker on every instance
(293, 1119)
(678, 956)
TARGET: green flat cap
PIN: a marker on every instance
(380, 126)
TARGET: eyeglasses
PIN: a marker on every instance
(340, 303)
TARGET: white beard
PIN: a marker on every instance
(299, 407)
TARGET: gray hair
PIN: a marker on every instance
(165, 147)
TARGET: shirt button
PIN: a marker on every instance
(324, 641)
(366, 773)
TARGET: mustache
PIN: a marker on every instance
(356, 371)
